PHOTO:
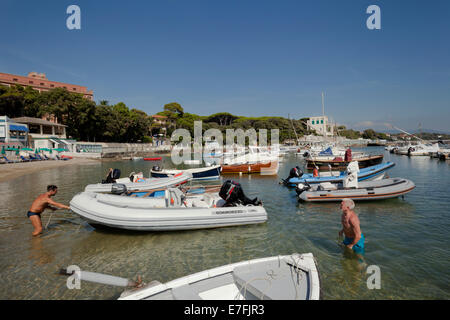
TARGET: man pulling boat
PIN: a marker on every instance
(42, 202)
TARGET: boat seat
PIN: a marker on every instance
(197, 203)
(209, 200)
(185, 293)
(327, 186)
(175, 197)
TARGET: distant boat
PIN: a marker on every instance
(153, 159)
(206, 173)
(269, 168)
(340, 164)
(376, 172)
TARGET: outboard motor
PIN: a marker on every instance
(410, 149)
(233, 194)
(302, 187)
(118, 188)
(294, 173)
(306, 154)
(156, 168)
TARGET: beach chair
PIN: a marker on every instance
(7, 160)
(25, 159)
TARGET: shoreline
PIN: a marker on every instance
(9, 171)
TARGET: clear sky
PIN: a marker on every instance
(246, 57)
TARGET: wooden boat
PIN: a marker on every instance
(267, 168)
(340, 164)
(289, 277)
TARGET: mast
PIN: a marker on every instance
(323, 115)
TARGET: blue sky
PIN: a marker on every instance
(246, 57)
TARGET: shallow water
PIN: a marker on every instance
(408, 239)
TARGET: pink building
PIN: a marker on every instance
(39, 82)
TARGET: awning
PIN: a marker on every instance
(14, 127)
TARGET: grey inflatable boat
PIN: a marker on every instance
(290, 277)
(365, 190)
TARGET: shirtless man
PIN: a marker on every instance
(42, 202)
(354, 239)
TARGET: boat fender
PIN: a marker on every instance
(315, 172)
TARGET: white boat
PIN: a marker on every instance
(350, 188)
(175, 211)
(289, 277)
(422, 149)
(141, 183)
(254, 155)
(206, 173)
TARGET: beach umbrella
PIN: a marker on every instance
(27, 149)
(17, 152)
(50, 151)
(3, 150)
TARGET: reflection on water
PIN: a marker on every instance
(407, 238)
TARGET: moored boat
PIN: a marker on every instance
(132, 183)
(174, 211)
(366, 190)
(340, 164)
(289, 277)
(205, 173)
(267, 168)
(376, 172)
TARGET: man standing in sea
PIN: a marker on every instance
(354, 239)
(42, 202)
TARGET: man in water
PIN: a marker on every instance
(41, 203)
(354, 239)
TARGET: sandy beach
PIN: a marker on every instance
(14, 170)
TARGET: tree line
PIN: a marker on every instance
(88, 121)
(85, 120)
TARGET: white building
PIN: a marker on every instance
(321, 125)
(13, 132)
(46, 134)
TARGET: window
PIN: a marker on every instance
(321, 121)
(313, 122)
(52, 85)
(42, 84)
(30, 82)
(74, 89)
(15, 79)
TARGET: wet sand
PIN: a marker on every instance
(10, 171)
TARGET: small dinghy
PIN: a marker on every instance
(206, 173)
(174, 211)
(290, 277)
(352, 189)
(137, 182)
(296, 176)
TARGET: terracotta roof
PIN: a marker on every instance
(36, 121)
(158, 116)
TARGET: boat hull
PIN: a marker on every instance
(208, 173)
(368, 190)
(290, 277)
(142, 215)
(342, 165)
(376, 172)
(268, 168)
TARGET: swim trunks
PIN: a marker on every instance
(358, 247)
(29, 214)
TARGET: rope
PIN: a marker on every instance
(51, 214)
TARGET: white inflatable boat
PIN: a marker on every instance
(142, 183)
(290, 277)
(175, 211)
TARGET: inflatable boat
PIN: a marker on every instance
(376, 172)
(141, 183)
(289, 277)
(206, 173)
(366, 190)
(174, 211)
